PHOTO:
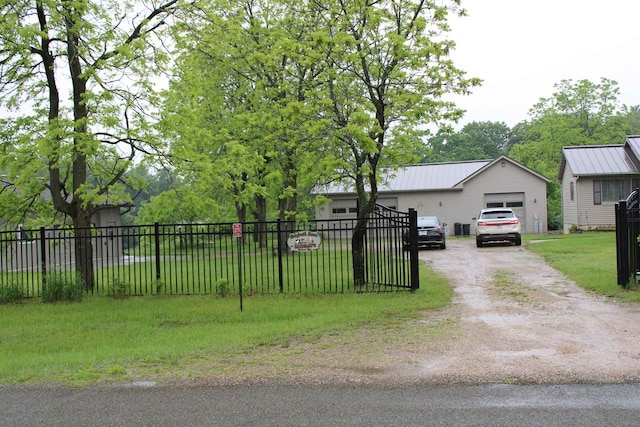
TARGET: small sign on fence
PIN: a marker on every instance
(237, 229)
(304, 241)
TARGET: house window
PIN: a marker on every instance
(344, 210)
(614, 190)
(515, 204)
(495, 205)
(572, 190)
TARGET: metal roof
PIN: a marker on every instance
(421, 177)
(634, 144)
(601, 160)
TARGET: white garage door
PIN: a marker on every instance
(514, 201)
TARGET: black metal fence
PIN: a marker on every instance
(183, 259)
(627, 232)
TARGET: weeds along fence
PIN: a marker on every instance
(187, 259)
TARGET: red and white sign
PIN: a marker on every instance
(237, 229)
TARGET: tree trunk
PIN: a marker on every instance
(241, 212)
(366, 206)
(84, 248)
(260, 232)
(357, 252)
(287, 206)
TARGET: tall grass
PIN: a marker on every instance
(589, 259)
(104, 339)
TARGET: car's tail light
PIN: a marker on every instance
(508, 222)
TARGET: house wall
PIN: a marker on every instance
(108, 217)
(569, 205)
(510, 180)
(462, 205)
(590, 216)
(448, 206)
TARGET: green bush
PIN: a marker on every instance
(11, 293)
(222, 288)
(119, 288)
(61, 287)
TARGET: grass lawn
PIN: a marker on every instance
(589, 259)
(102, 339)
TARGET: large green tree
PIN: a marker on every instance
(578, 113)
(239, 107)
(387, 75)
(77, 80)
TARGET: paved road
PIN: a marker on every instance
(147, 405)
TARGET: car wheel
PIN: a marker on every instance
(478, 242)
(518, 241)
(443, 245)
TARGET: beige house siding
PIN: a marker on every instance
(508, 180)
(592, 216)
(569, 204)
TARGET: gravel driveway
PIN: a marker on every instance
(520, 320)
(513, 319)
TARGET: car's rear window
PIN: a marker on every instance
(497, 215)
(427, 222)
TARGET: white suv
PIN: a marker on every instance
(497, 225)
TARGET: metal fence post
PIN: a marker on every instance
(280, 273)
(622, 231)
(157, 247)
(413, 249)
(43, 257)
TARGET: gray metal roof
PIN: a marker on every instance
(421, 177)
(634, 144)
(600, 160)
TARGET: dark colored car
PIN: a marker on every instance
(431, 233)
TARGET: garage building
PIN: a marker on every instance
(455, 192)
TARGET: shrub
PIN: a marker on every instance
(11, 293)
(62, 287)
(222, 288)
(119, 288)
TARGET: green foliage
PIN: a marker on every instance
(119, 288)
(274, 99)
(61, 287)
(222, 288)
(578, 113)
(182, 205)
(475, 141)
(11, 294)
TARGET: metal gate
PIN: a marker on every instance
(387, 261)
(627, 231)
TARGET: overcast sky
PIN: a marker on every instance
(521, 48)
